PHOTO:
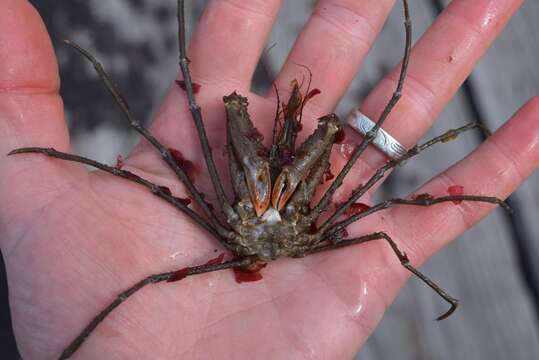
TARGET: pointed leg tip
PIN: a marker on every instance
(449, 312)
(21, 151)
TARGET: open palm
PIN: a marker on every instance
(72, 240)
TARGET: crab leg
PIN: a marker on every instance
(152, 279)
(379, 174)
(155, 189)
(306, 157)
(421, 200)
(197, 116)
(246, 144)
(368, 139)
(165, 153)
(403, 258)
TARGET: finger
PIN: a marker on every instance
(229, 39)
(31, 112)
(31, 108)
(440, 62)
(332, 45)
(496, 168)
(224, 52)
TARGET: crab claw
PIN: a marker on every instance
(283, 188)
(259, 184)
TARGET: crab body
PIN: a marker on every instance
(273, 187)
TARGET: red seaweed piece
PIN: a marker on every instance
(119, 162)
(340, 135)
(184, 272)
(215, 261)
(184, 201)
(179, 275)
(181, 84)
(328, 175)
(311, 94)
(186, 165)
(356, 208)
(129, 175)
(298, 126)
(248, 275)
(313, 228)
(456, 190)
(166, 190)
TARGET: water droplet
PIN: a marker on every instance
(346, 149)
(358, 309)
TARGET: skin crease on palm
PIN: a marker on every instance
(72, 240)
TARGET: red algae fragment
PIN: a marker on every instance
(356, 208)
(187, 166)
(340, 135)
(216, 261)
(456, 190)
(311, 94)
(181, 84)
(328, 175)
(249, 275)
(184, 201)
(119, 162)
(313, 228)
(129, 175)
(183, 273)
(179, 275)
(166, 190)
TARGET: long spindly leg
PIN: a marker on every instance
(165, 153)
(379, 174)
(197, 116)
(403, 258)
(152, 279)
(368, 139)
(159, 191)
(421, 200)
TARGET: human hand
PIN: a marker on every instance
(73, 240)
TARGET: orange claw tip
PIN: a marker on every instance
(283, 189)
(260, 204)
(260, 192)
